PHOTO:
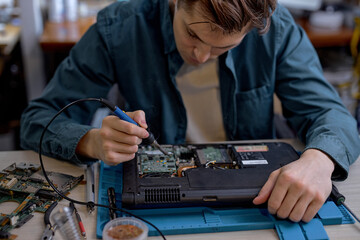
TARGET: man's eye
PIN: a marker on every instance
(191, 34)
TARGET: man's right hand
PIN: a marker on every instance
(116, 141)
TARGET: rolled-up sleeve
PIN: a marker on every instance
(311, 105)
(87, 72)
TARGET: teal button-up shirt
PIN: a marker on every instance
(132, 45)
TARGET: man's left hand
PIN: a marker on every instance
(298, 190)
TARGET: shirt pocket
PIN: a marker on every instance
(254, 113)
(254, 94)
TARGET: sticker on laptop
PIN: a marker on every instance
(252, 148)
(254, 162)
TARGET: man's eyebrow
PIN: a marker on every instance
(195, 35)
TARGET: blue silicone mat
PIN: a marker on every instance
(189, 220)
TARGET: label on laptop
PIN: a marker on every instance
(252, 148)
(254, 162)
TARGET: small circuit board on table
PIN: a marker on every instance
(25, 184)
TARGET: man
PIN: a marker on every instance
(154, 51)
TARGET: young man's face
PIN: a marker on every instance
(197, 41)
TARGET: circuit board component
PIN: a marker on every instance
(152, 163)
(25, 184)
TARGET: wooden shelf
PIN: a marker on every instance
(326, 37)
(63, 36)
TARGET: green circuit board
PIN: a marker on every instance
(25, 184)
(153, 163)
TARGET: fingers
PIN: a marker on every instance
(298, 210)
(115, 152)
(300, 188)
(305, 209)
(112, 123)
(296, 205)
(139, 117)
(115, 136)
(311, 211)
(266, 190)
(292, 199)
(283, 201)
(109, 146)
(114, 158)
(119, 139)
(285, 194)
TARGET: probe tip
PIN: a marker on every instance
(155, 143)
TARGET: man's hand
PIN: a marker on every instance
(298, 190)
(116, 141)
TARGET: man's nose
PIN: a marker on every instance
(202, 53)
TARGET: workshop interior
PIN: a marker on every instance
(37, 35)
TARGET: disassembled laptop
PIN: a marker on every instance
(198, 174)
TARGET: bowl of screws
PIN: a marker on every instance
(125, 228)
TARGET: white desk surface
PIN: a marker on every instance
(35, 227)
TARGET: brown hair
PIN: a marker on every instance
(233, 15)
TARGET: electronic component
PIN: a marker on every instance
(218, 157)
(24, 183)
(157, 164)
(152, 163)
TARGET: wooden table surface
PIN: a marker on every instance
(350, 188)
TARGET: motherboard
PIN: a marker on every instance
(25, 184)
(153, 163)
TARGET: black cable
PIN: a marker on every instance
(48, 212)
(88, 204)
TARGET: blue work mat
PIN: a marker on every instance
(190, 220)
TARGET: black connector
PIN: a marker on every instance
(108, 104)
(336, 196)
(339, 199)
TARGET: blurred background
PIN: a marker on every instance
(36, 35)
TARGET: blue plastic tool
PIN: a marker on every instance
(203, 219)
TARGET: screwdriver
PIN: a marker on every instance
(78, 218)
(339, 199)
(150, 140)
(112, 202)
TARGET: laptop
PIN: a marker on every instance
(201, 174)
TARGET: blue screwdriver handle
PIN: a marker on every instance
(123, 116)
(117, 111)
